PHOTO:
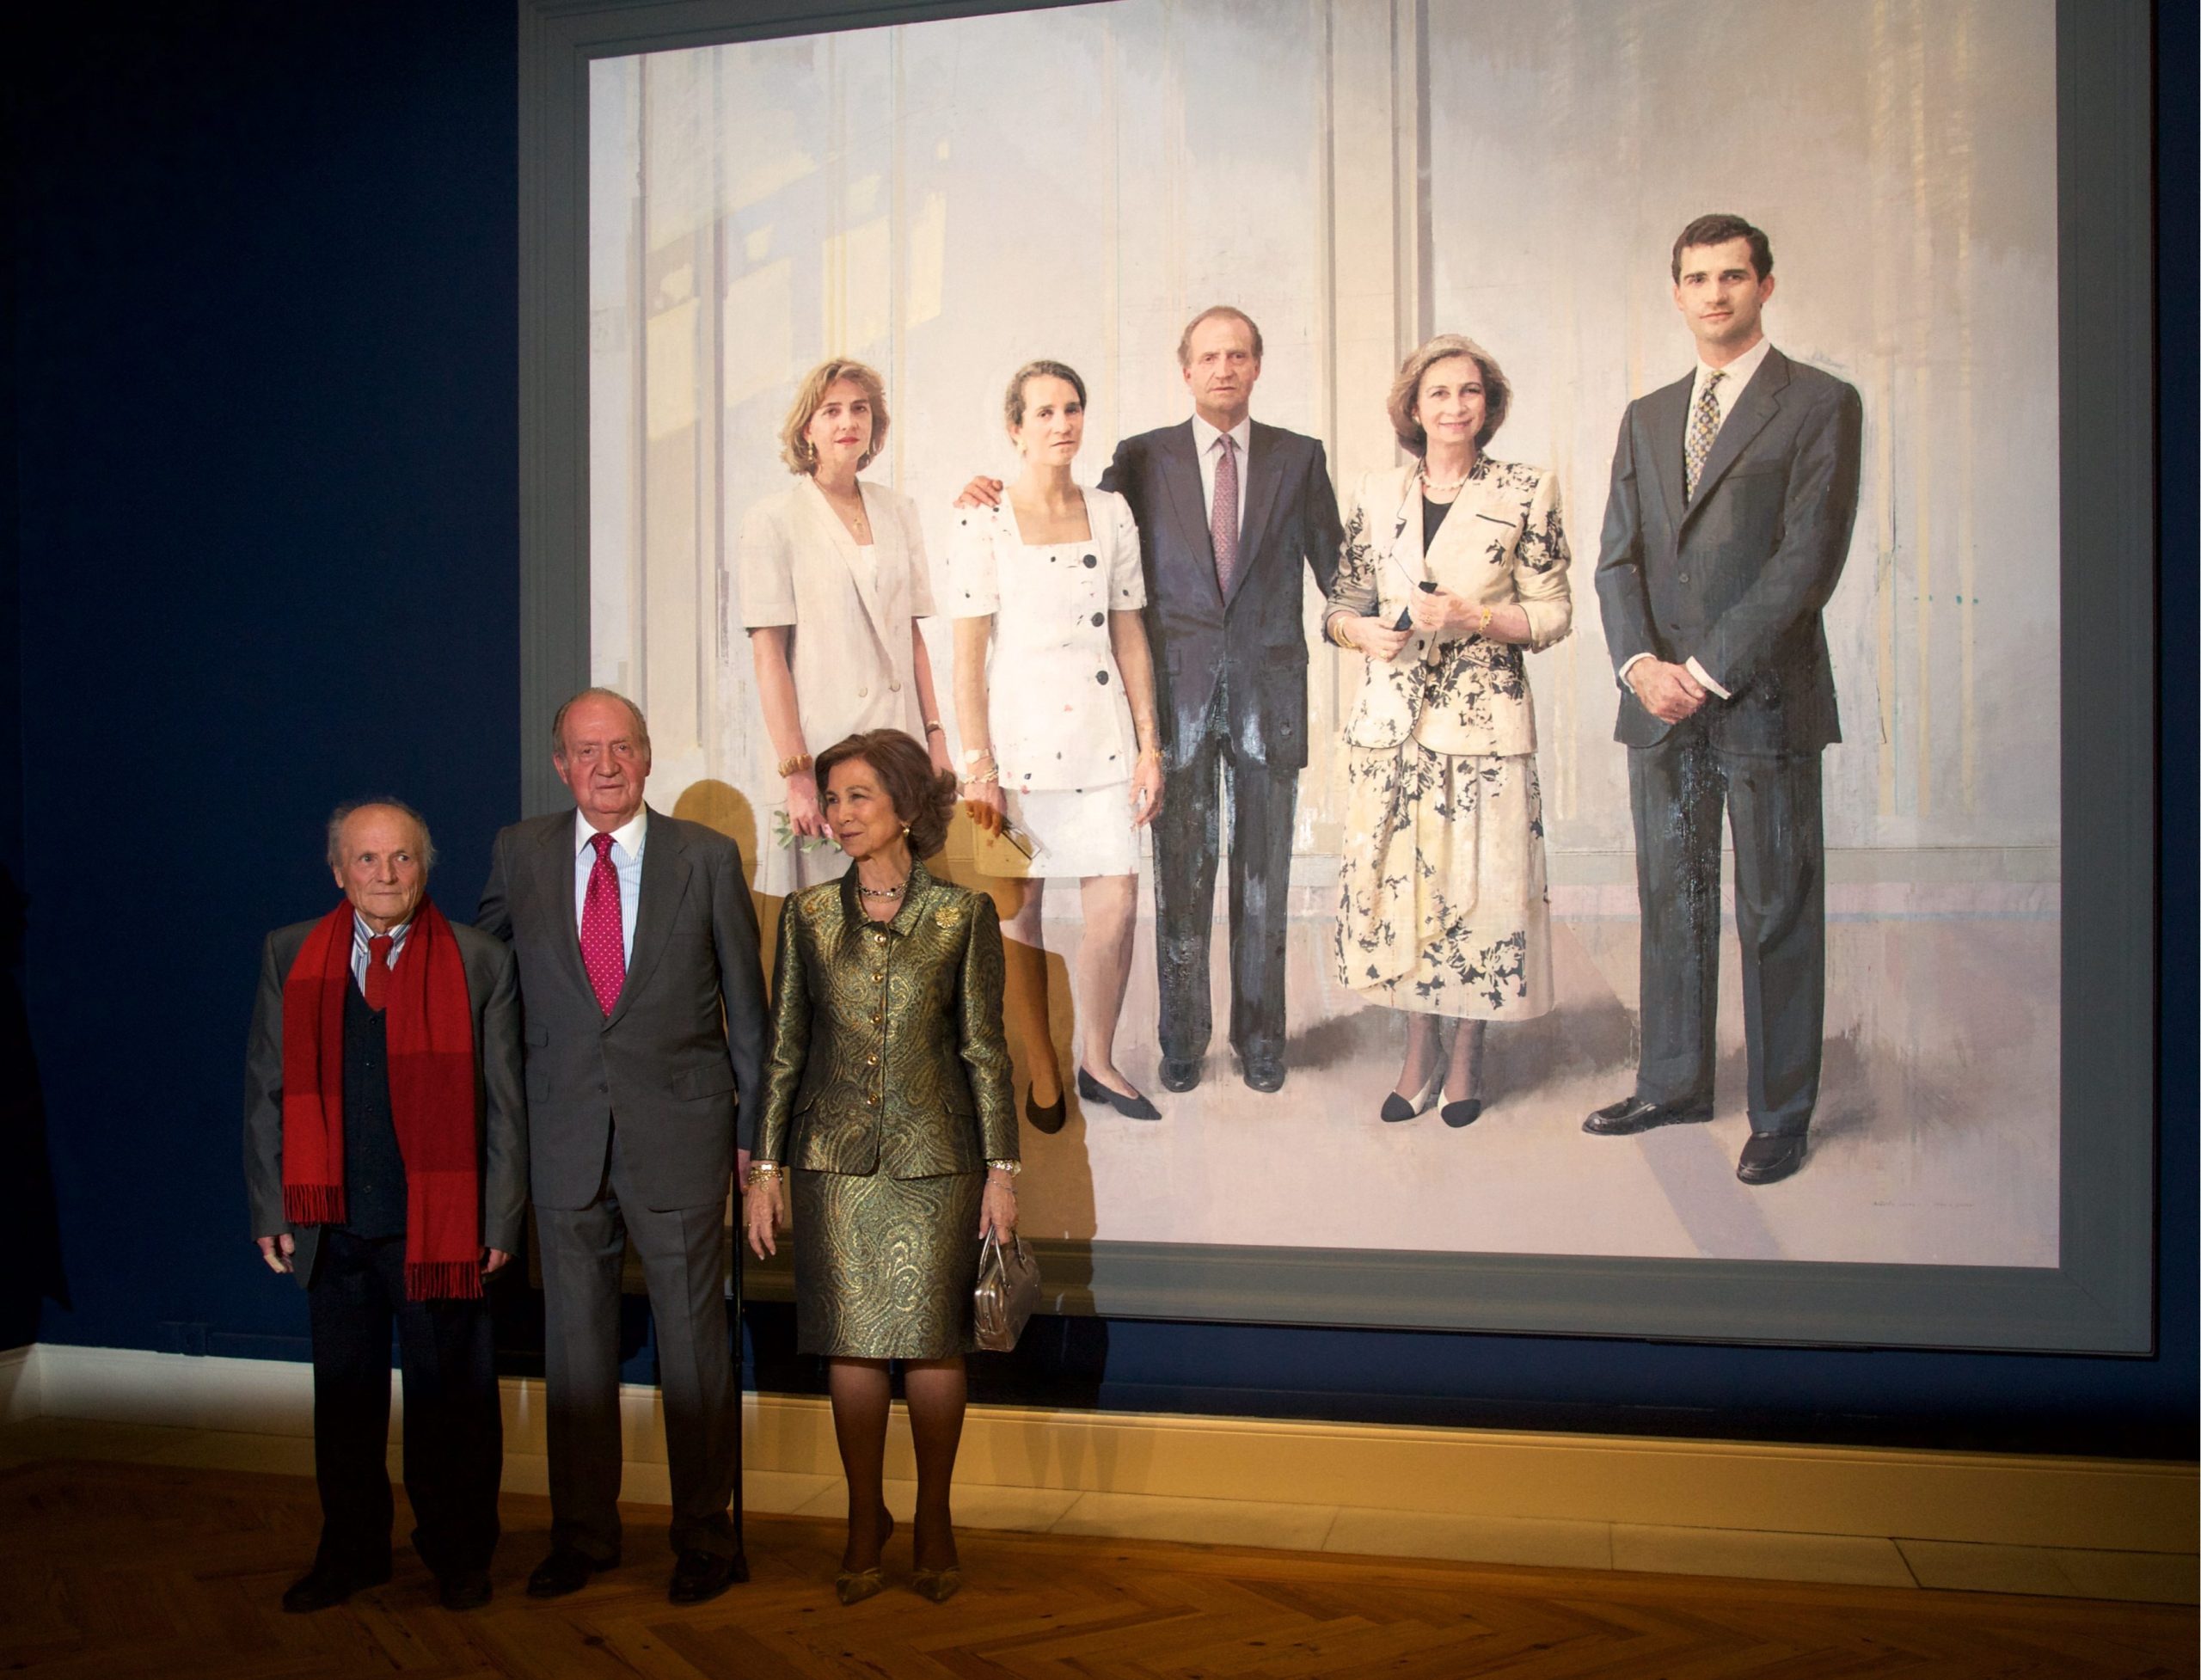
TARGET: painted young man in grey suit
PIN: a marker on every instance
(1229, 512)
(645, 1023)
(1733, 493)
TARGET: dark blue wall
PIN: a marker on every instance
(265, 394)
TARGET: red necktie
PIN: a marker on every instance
(604, 951)
(376, 984)
(1223, 518)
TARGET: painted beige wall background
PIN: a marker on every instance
(948, 200)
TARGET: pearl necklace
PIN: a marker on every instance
(1430, 485)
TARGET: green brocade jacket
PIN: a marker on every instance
(887, 1051)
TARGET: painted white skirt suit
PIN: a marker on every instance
(1060, 722)
(850, 608)
(1442, 906)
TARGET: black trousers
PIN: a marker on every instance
(1264, 799)
(454, 1431)
(683, 1251)
(1677, 791)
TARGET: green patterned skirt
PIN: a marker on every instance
(884, 1267)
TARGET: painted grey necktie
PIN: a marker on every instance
(1223, 520)
(1703, 427)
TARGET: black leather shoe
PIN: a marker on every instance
(1133, 1107)
(1263, 1070)
(563, 1572)
(468, 1592)
(326, 1585)
(1769, 1160)
(700, 1577)
(1050, 1118)
(1633, 1114)
(1181, 1073)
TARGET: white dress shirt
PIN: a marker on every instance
(361, 933)
(1207, 442)
(1724, 396)
(628, 842)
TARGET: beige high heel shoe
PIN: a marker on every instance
(853, 1586)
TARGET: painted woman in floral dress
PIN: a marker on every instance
(1453, 568)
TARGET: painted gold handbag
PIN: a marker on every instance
(1007, 1292)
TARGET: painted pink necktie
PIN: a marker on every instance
(1223, 519)
(604, 951)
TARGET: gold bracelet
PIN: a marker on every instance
(1483, 628)
(763, 1172)
(1154, 752)
(1334, 628)
(1012, 1167)
(800, 761)
(992, 776)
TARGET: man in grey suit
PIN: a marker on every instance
(351, 1208)
(1228, 511)
(645, 1024)
(1733, 493)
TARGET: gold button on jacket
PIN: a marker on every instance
(887, 1050)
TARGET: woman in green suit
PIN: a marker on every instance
(887, 1101)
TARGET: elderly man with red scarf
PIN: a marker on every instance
(385, 1160)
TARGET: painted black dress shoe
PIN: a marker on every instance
(1768, 1160)
(1633, 1114)
(1049, 1119)
(325, 1585)
(700, 1577)
(1132, 1107)
(563, 1572)
(1181, 1073)
(468, 1591)
(1263, 1070)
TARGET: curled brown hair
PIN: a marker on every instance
(923, 799)
(1405, 390)
(795, 447)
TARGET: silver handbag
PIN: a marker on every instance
(1007, 1292)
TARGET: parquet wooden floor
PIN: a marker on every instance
(112, 1571)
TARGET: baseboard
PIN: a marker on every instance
(1982, 1498)
(19, 1385)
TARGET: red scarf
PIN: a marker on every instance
(430, 1026)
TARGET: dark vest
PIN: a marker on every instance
(374, 1171)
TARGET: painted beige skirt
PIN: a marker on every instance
(1442, 904)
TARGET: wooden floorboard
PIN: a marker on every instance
(110, 1571)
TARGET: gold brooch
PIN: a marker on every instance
(948, 917)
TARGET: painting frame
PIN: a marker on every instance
(2100, 1298)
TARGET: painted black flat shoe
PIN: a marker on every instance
(1050, 1118)
(1396, 1107)
(1133, 1107)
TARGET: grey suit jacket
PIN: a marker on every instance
(686, 1034)
(1737, 576)
(493, 990)
(1251, 648)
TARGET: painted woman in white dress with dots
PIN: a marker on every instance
(1054, 700)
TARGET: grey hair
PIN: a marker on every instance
(344, 812)
(558, 722)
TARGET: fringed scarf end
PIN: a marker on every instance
(442, 1280)
(313, 1203)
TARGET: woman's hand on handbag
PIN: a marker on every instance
(982, 801)
(762, 1213)
(998, 1211)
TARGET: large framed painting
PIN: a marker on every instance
(1427, 903)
